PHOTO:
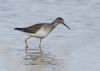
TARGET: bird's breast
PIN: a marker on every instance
(41, 33)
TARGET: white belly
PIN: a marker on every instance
(41, 33)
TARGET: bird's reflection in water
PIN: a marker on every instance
(42, 60)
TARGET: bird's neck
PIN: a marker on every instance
(54, 23)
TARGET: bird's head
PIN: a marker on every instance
(60, 20)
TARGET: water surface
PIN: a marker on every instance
(63, 50)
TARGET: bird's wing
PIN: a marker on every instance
(33, 28)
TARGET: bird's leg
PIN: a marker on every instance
(26, 41)
(40, 45)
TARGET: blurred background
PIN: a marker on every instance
(63, 50)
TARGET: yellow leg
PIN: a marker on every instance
(26, 41)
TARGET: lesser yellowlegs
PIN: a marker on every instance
(41, 30)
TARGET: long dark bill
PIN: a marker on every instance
(67, 26)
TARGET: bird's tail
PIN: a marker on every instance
(20, 29)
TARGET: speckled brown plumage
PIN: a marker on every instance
(41, 30)
(30, 29)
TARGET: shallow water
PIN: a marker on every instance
(63, 50)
